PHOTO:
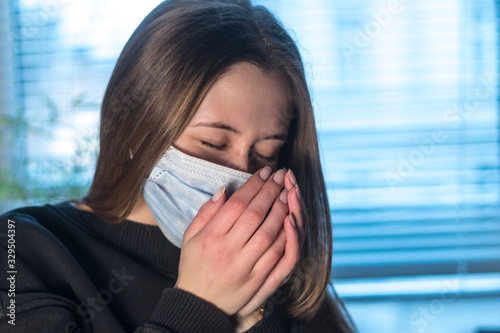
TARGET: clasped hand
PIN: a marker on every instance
(237, 253)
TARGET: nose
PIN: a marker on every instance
(241, 162)
(243, 159)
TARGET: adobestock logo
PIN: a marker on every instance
(454, 117)
(93, 305)
(364, 36)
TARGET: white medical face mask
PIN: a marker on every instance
(180, 184)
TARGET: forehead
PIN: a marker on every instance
(248, 97)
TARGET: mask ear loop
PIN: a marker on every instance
(131, 155)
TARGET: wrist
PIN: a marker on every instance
(244, 323)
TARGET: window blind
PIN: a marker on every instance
(64, 54)
(406, 102)
(10, 160)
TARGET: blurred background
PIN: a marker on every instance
(406, 95)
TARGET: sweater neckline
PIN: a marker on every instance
(142, 241)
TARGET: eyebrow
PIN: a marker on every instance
(222, 126)
(218, 125)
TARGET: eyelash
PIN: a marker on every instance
(208, 144)
(221, 148)
(268, 159)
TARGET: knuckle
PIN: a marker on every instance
(200, 217)
(251, 215)
(236, 203)
(208, 241)
(275, 254)
(243, 274)
(199, 214)
(264, 238)
(281, 239)
(205, 244)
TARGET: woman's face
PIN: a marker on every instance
(242, 121)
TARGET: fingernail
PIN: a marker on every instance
(219, 194)
(265, 173)
(284, 196)
(299, 197)
(292, 220)
(279, 176)
(292, 177)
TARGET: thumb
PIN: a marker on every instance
(205, 214)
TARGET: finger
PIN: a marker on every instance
(254, 215)
(285, 266)
(290, 180)
(238, 202)
(266, 263)
(298, 211)
(258, 275)
(297, 205)
(292, 252)
(205, 214)
(280, 272)
(266, 234)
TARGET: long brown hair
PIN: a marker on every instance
(160, 78)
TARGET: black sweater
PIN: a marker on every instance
(69, 271)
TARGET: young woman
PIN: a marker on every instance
(191, 224)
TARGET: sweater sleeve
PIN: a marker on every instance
(44, 289)
(177, 312)
(180, 311)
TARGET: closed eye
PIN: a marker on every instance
(210, 145)
(223, 147)
(267, 158)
